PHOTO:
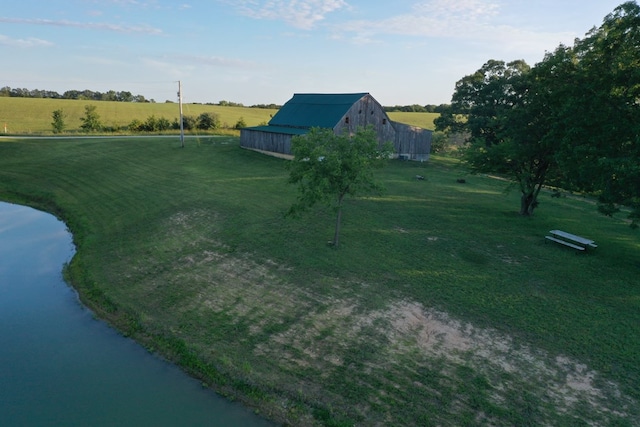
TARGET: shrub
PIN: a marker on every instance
(208, 121)
(91, 120)
(58, 123)
(240, 123)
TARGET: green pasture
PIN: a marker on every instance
(442, 307)
(34, 116)
(423, 120)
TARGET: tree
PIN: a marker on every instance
(208, 121)
(188, 123)
(573, 119)
(58, 123)
(328, 167)
(502, 107)
(91, 119)
(125, 96)
(601, 113)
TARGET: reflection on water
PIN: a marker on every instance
(60, 366)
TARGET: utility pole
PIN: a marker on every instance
(181, 118)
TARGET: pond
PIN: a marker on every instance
(61, 366)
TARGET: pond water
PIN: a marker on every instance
(61, 366)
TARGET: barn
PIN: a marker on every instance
(343, 112)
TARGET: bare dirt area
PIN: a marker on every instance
(401, 360)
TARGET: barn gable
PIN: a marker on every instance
(341, 113)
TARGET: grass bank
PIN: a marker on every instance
(442, 307)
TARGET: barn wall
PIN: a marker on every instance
(367, 112)
(412, 142)
(265, 141)
(409, 142)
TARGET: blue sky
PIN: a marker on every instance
(263, 51)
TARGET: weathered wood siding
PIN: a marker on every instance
(367, 112)
(265, 141)
(412, 142)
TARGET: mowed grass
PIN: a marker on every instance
(34, 116)
(442, 306)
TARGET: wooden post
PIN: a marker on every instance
(181, 118)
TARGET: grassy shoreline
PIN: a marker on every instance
(442, 306)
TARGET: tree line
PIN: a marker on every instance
(126, 96)
(571, 121)
(87, 95)
(416, 108)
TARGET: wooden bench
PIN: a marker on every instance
(571, 240)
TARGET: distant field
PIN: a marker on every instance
(423, 120)
(33, 116)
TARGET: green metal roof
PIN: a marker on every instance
(307, 110)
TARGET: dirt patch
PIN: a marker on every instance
(435, 333)
(427, 336)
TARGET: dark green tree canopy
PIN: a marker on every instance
(495, 107)
(601, 113)
(573, 119)
(208, 121)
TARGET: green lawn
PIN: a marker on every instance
(442, 306)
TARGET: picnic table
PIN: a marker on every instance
(571, 240)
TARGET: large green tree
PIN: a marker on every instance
(600, 113)
(502, 107)
(327, 168)
(573, 119)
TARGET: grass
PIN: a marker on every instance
(442, 306)
(34, 116)
(423, 120)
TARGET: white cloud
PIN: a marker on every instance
(457, 9)
(471, 21)
(142, 29)
(23, 43)
(434, 18)
(303, 14)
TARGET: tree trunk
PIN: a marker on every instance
(336, 234)
(528, 203)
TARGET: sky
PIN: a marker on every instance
(402, 52)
